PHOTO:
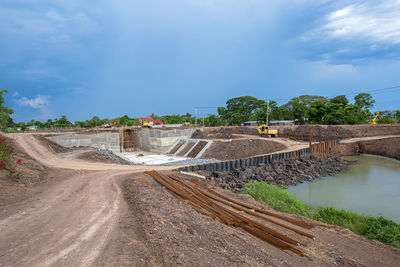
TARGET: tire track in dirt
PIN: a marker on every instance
(71, 223)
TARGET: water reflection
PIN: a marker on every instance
(371, 186)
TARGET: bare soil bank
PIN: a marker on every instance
(284, 172)
(237, 149)
(160, 229)
(388, 147)
(222, 133)
(34, 178)
(343, 131)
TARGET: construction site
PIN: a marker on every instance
(172, 196)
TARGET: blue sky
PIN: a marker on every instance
(110, 58)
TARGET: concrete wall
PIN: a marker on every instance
(102, 141)
(160, 141)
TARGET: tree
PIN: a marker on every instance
(240, 109)
(340, 99)
(124, 120)
(334, 113)
(316, 111)
(364, 100)
(94, 122)
(5, 112)
(299, 109)
(64, 121)
(261, 113)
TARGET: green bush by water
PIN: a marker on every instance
(378, 228)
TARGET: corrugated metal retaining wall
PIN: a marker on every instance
(253, 161)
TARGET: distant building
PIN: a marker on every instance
(282, 123)
(32, 128)
(250, 123)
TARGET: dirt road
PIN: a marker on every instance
(69, 224)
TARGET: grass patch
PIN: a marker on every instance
(377, 228)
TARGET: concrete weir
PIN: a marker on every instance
(104, 141)
(140, 146)
(161, 141)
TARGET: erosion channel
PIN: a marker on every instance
(370, 186)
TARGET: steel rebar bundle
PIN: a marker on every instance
(223, 208)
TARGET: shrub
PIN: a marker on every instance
(386, 120)
(7, 163)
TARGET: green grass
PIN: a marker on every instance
(377, 228)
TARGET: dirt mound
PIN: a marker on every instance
(198, 134)
(343, 131)
(237, 149)
(55, 148)
(284, 172)
(94, 156)
(223, 133)
(229, 130)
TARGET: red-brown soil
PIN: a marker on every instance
(176, 147)
(237, 149)
(186, 148)
(159, 228)
(200, 145)
(222, 133)
(343, 131)
(328, 131)
(388, 147)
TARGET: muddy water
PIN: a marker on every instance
(371, 186)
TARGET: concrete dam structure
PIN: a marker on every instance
(126, 140)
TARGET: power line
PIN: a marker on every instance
(355, 92)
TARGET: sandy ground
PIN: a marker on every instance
(101, 214)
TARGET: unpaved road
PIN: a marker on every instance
(113, 215)
(69, 224)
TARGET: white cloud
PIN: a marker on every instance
(39, 102)
(365, 21)
(55, 16)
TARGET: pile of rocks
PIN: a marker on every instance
(284, 172)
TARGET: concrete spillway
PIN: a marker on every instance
(141, 146)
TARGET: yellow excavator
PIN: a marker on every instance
(264, 130)
(377, 117)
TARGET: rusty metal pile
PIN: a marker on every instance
(223, 208)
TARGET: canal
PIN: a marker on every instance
(370, 186)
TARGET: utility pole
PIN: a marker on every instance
(266, 122)
(195, 112)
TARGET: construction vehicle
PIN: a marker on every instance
(148, 122)
(377, 117)
(264, 130)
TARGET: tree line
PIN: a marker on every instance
(309, 109)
